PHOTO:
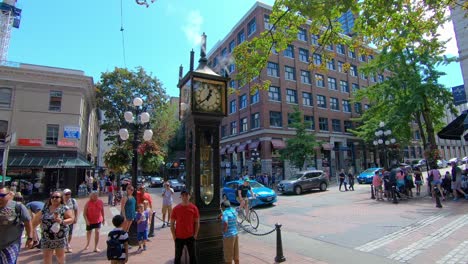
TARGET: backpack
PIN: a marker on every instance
(114, 245)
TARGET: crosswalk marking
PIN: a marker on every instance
(416, 248)
(457, 255)
(368, 247)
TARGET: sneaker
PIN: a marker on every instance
(164, 224)
(144, 248)
(455, 199)
(139, 250)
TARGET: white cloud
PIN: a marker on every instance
(447, 33)
(192, 28)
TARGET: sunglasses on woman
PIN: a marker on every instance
(56, 197)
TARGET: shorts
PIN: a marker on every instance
(418, 183)
(378, 188)
(142, 236)
(436, 182)
(400, 183)
(93, 226)
(231, 248)
(245, 199)
(166, 209)
(456, 185)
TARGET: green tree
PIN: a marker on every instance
(300, 148)
(115, 93)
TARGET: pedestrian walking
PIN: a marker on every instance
(436, 182)
(128, 207)
(34, 207)
(342, 177)
(54, 220)
(14, 218)
(351, 179)
(418, 180)
(73, 205)
(167, 201)
(93, 213)
(185, 224)
(117, 242)
(142, 218)
(456, 182)
(110, 192)
(377, 183)
(230, 237)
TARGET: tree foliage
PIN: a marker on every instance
(301, 148)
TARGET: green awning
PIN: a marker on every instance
(6, 178)
(48, 162)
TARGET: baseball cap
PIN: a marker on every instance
(67, 191)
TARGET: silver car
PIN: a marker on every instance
(304, 181)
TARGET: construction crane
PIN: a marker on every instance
(10, 17)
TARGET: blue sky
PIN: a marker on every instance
(85, 35)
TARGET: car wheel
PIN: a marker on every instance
(323, 187)
(297, 190)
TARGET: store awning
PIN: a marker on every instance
(242, 147)
(456, 128)
(278, 143)
(49, 162)
(6, 178)
(231, 149)
(254, 145)
(222, 151)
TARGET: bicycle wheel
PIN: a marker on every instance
(253, 217)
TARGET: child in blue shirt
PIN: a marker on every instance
(142, 218)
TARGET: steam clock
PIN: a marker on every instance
(203, 104)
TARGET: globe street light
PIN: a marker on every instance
(383, 137)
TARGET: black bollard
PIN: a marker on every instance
(279, 245)
(436, 194)
(372, 191)
(151, 231)
(395, 200)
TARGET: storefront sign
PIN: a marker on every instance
(66, 143)
(71, 132)
(327, 146)
(31, 142)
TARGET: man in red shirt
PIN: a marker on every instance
(142, 195)
(185, 223)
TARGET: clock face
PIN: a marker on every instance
(208, 97)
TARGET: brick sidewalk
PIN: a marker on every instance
(161, 249)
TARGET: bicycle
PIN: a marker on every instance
(252, 218)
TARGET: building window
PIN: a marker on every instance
(242, 101)
(319, 82)
(232, 45)
(417, 135)
(251, 27)
(3, 130)
(290, 119)
(254, 98)
(340, 66)
(255, 120)
(323, 123)
(243, 125)
(353, 70)
(363, 76)
(240, 37)
(289, 73)
(275, 119)
(309, 122)
(354, 87)
(302, 34)
(317, 59)
(232, 67)
(332, 84)
(307, 99)
(232, 107)
(289, 51)
(329, 47)
(224, 52)
(340, 49)
(357, 108)
(55, 101)
(381, 78)
(304, 55)
(266, 22)
(366, 107)
(234, 128)
(273, 69)
(232, 84)
(223, 131)
(348, 125)
(274, 94)
(371, 57)
(334, 104)
(321, 101)
(344, 86)
(362, 57)
(351, 53)
(305, 77)
(331, 64)
(336, 125)
(346, 106)
(52, 134)
(315, 39)
(291, 96)
(5, 98)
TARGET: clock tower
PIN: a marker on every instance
(203, 104)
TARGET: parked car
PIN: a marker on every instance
(176, 185)
(442, 163)
(264, 195)
(303, 181)
(457, 160)
(156, 181)
(465, 160)
(367, 175)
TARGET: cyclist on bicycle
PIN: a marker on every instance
(242, 197)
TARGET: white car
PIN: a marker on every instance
(442, 163)
(465, 160)
(453, 160)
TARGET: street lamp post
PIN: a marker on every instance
(383, 137)
(136, 122)
(255, 158)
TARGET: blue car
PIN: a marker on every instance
(367, 175)
(264, 195)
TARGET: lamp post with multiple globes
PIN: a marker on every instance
(383, 138)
